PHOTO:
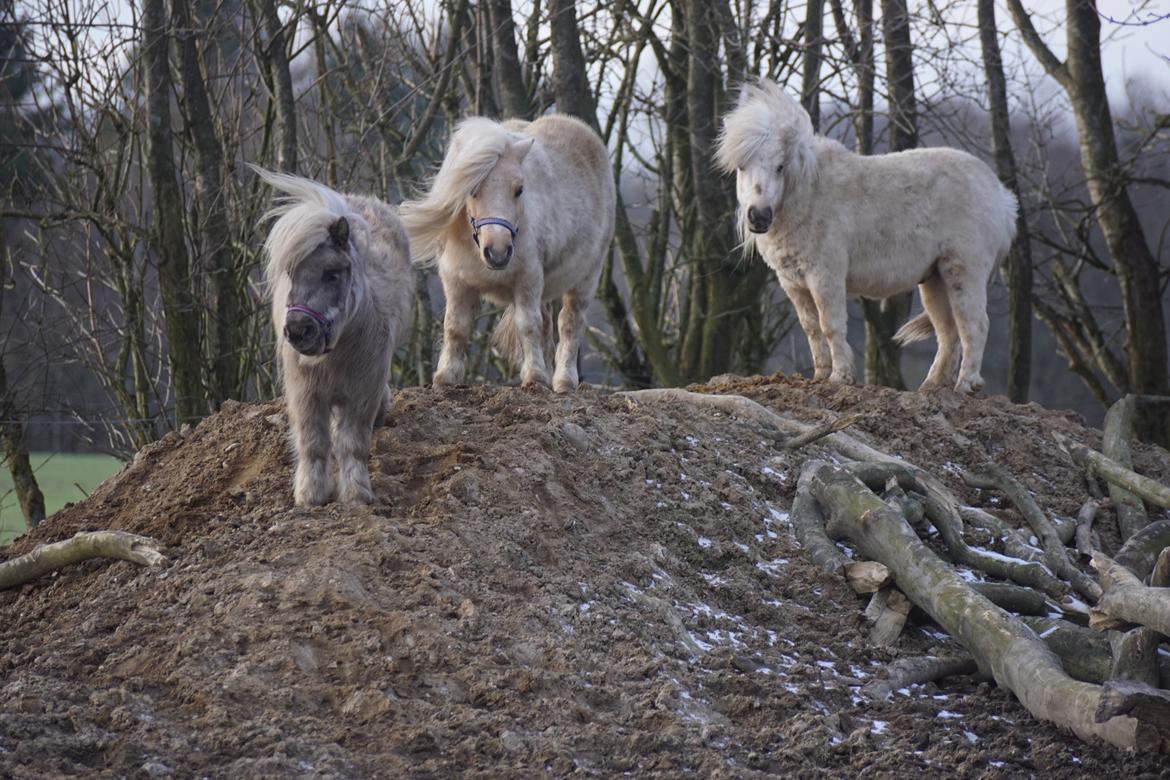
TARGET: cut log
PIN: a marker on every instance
(1150, 706)
(888, 610)
(1114, 473)
(1126, 599)
(998, 478)
(81, 547)
(1135, 656)
(1118, 433)
(1141, 550)
(1085, 654)
(867, 576)
(915, 671)
(1001, 644)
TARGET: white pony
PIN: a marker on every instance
(339, 272)
(832, 224)
(520, 213)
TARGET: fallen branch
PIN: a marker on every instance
(1126, 599)
(1114, 473)
(915, 671)
(1022, 601)
(809, 527)
(1084, 532)
(1118, 432)
(83, 546)
(1141, 550)
(1001, 644)
(1054, 550)
(1013, 541)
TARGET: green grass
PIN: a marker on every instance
(62, 477)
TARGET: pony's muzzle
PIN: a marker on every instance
(759, 220)
(496, 259)
(304, 334)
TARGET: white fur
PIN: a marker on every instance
(334, 400)
(847, 225)
(565, 218)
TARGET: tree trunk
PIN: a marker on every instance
(882, 318)
(570, 82)
(286, 109)
(24, 481)
(226, 342)
(810, 85)
(1018, 270)
(180, 308)
(508, 73)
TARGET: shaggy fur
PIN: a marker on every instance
(842, 224)
(343, 384)
(565, 217)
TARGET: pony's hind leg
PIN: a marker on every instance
(458, 320)
(938, 308)
(810, 323)
(570, 325)
(967, 294)
(308, 416)
(352, 431)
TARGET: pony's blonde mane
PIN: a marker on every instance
(765, 112)
(476, 147)
(303, 216)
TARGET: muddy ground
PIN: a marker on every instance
(553, 585)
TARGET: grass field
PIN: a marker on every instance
(62, 477)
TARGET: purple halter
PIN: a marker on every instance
(476, 224)
(326, 323)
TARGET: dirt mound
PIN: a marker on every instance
(562, 585)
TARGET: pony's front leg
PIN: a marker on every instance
(829, 297)
(570, 325)
(458, 320)
(353, 428)
(529, 323)
(308, 415)
(810, 323)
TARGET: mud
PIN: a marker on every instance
(552, 586)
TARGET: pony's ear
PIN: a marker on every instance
(521, 148)
(339, 233)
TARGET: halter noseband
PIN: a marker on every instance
(326, 323)
(476, 224)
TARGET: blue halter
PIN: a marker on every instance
(476, 224)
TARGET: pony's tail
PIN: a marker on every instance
(507, 341)
(917, 329)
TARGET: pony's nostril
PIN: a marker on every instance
(300, 332)
(508, 254)
(487, 254)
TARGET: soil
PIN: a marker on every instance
(553, 585)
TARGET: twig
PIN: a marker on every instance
(1084, 533)
(820, 431)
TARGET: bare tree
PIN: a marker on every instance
(1018, 272)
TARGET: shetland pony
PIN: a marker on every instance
(832, 223)
(520, 213)
(339, 271)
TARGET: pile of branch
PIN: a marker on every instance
(1023, 625)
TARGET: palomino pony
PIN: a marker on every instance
(339, 271)
(520, 213)
(832, 223)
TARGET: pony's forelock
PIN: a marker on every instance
(303, 218)
(476, 147)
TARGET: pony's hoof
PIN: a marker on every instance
(969, 386)
(842, 377)
(564, 385)
(821, 374)
(362, 497)
(535, 381)
(306, 498)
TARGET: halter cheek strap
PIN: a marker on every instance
(326, 323)
(476, 224)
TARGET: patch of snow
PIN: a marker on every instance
(947, 714)
(878, 727)
(971, 737)
(714, 580)
(741, 546)
(704, 542)
(773, 567)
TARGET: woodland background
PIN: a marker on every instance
(132, 228)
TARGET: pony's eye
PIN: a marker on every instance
(780, 168)
(331, 277)
(519, 191)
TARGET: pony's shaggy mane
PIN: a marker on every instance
(476, 147)
(765, 112)
(303, 216)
